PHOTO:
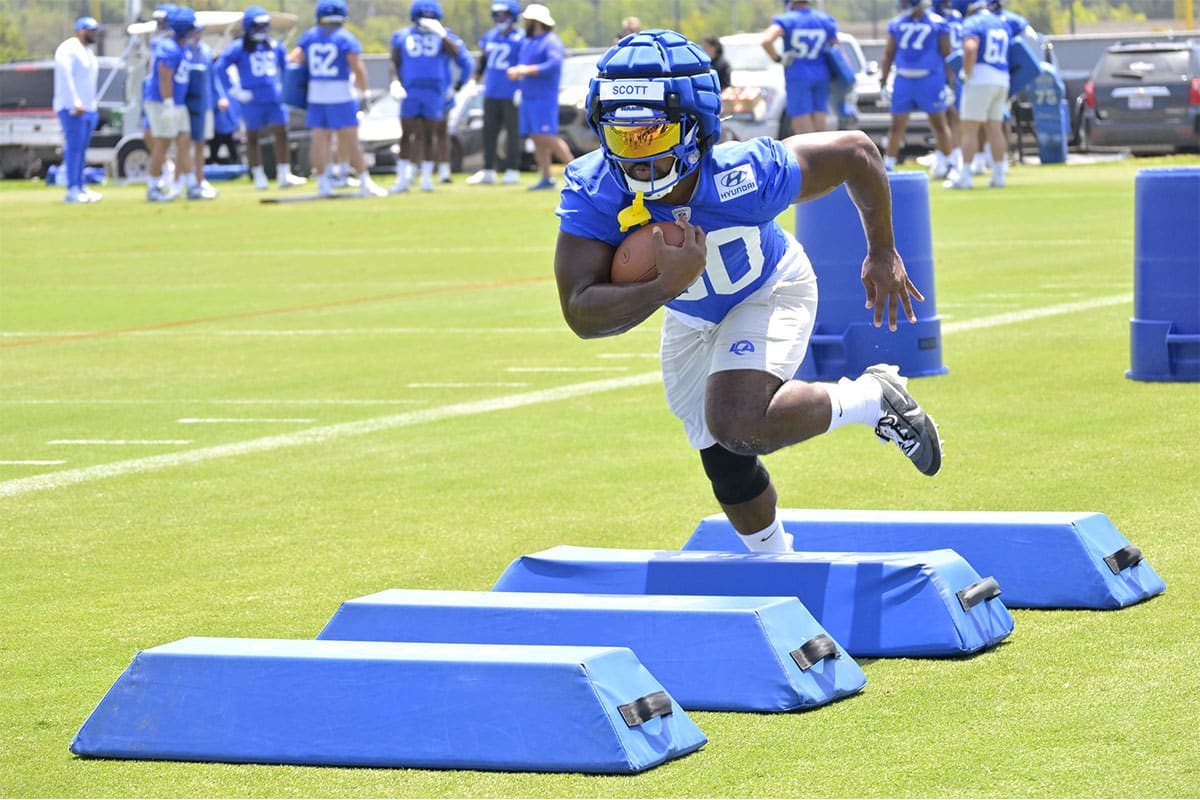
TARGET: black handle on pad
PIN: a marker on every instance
(818, 647)
(977, 592)
(1124, 558)
(656, 704)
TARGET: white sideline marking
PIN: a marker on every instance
(1013, 317)
(326, 433)
(223, 420)
(502, 384)
(565, 369)
(33, 463)
(135, 401)
(119, 441)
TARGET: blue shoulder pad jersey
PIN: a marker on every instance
(1015, 23)
(917, 41)
(325, 52)
(808, 34)
(954, 25)
(198, 61)
(168, 52)
(423, 62)
(992, 34)
(260, 71)
(502, 50)
(742, 188)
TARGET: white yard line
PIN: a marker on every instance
(328, 433)
(119, 441)
(240, 420)
(31, 462)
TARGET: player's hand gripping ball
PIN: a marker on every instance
(635, 260)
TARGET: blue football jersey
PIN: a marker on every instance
(260, 70)
(423, 62)
(917, 41)
(1014, 22)
(326, 51)
(807, 34)
(742, 188)
(167, 52)
(992, 34)
(502, 49)
(954, 24)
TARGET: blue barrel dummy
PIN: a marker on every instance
(1165, 330)
(295, 85)
(1051, 119)
(845, 340)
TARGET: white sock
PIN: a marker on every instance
(402, 169)
(344, 168)
(259, 172)
(940, 159)
(770, 539)
(426, 169)
(283, 172)
(889, 163)
(855, 402)
(1000, 169)
(443, 170)
(365, 175)
(956, 158)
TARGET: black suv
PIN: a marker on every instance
(1145, 97)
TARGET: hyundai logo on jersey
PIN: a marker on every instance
(742, 347)
(735, 182)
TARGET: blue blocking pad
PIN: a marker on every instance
(874, 604)
(385, 704)
(709, 653)
(1042, 559)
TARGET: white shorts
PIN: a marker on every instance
(768, 331)
(983, 101)
(166, 125)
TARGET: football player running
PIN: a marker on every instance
(740, 293)
(332, 56)
(806, 34)
(259, 60)
(421, 55)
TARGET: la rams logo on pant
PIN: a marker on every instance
(741, 347)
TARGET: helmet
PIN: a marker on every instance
(161, 13)
(331, 11)
(425, 8)
(510, 7)
(909, 5)
(655, 95)
(994, 5)
(975, 5)
(256, 21)
(182, 20)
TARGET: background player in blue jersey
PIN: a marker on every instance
(458, 73)
(499, 50)
(331, 54)
(539, 69)
(259, 60)
(806, 35)
(421, 55)
(202, 98)
(918, 43)
(985, 92)
(954, 19)
(740, 294)
(165, 109)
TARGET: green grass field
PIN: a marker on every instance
(128, 322)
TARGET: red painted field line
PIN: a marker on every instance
(271, 311)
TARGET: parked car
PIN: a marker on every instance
(379, 131)
(755, 102)
(1145, 97)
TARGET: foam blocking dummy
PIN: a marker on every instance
(710, 653)
(873, 604)
(1042, 559)
(384, 704)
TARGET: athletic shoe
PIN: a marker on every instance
(75, 196)
(369, 188)
(904, 422)
(511, 176)
(290, 181)
(261, 183)
(156, 195)
(939, 171)
(401, 185)
(426, 183)
(979, 166)
(483, 176)
(544, 183)
(325, 186)
(93, 197)
(958, 180)
(446, 179)
(997, 181)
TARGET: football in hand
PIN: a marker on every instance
(635, 259)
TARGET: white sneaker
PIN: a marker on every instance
(75, 196)
(93, 197)
(939, 171)
(399, 187)
(325, 186)
(260, 181)
(289, 181)
(997, 181)
(483, 176)
(369, 188)
(155, 194)
(511, 176)
(426, 183)
(958, 180)
(978, 166)
(208, 191)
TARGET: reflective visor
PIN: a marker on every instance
(642, 141)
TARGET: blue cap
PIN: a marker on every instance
(87, 24)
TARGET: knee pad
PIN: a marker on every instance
(735, 479)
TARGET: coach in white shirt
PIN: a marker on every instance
(75, 76)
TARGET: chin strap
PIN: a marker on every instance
(633, 215)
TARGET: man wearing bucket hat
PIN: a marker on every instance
(75, 75)
(539, 70)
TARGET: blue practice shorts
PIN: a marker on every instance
(202, 125)
(919, 94)
(423, 103)
(260, 115)
(539, 116)
(807, 94)
(332, 116)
